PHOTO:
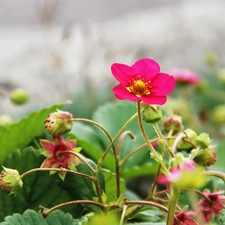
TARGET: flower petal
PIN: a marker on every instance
(48, 146)
(48, 163)
(122, 93)
(155, 100)
(162, 84)
(146, 68)
(122, 73)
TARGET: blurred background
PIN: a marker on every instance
(63, 49)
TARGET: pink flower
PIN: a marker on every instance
(211, 205)
(142, 81)
(56, 158)
(183, 217)
(185, 76)
(175, 173)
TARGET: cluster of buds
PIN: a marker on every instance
(10, 181)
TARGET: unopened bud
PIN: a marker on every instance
(205, 157)
(203, 140)
(59, 122)
(5, 120)
(19, 96)
(173, 123)
(151, 113)
(218, 114)
(221, 76)
(185, 145)
(177, 161)
(211, 59)
(10, 181)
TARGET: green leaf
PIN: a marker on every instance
(136, 171)
(79, 187)
(20, 134)
(30, 217)
(91, 144)
(39, 188)
(110, 188)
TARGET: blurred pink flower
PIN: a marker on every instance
(175, 173)
(211, 205)
(185, 76)
(183, 217)
(56, 158)
(142, 82)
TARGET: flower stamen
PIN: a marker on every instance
(139, 87)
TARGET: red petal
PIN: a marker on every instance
(154, 100)
(122, 73)
(48, 163)
(122, 93)
(147, 68)
(48, 146)
(162, 84)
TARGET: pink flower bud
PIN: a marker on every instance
(59, 122)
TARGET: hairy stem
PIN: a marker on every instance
(45, 213)
(57, 170)
(155, 154)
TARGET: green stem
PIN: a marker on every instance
(118, 160)
(155, 154)
(96, 124)
(159, 133)
(45, 213)
(123, 214)
(132, 153)
(141, 203)
(94, 172)
(113, 141)
(172, 206)
(115, 156)
(81, 158)
(218, 174)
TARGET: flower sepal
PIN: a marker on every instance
(10, 181)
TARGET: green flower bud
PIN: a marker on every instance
(211, 59)
(184, 145)
(221, 76)
(203, 140)
(5, 120)
(178, 160)
(151, 113)
(59, 122)
(106, 219)
(205, 157)
(173, 123)
(10, 181)
(19, 96)
(218, 115)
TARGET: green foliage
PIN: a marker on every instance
(30, 217)
(20, 134)
(91, 144)
(72, 183)
(94, 141)
(110, 189)
(41, 188)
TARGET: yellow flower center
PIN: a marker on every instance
(139, 87)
